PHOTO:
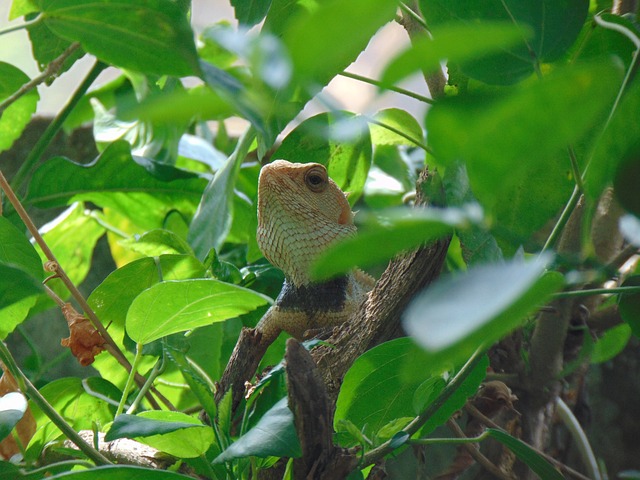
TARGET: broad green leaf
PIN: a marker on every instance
(132, 426)
(81, 410)
(399, 120)
(158, 242)
(72, 236)
(113, 297)
(12, 408)
(498, 138)
(555, 23)
(150, 36)
(114, 171)
(20, 8)
(120, 472)
(381, 384)
(46, 46)
(189, 442)
(179, 305)
(527, 455)
(611, 343)
(17, 115)
(273, 435)
(629, 305)
(324, 42)
(462, 312)
(340, 141)
(387, 234)
(212, 221)
(476, 243)
(455, 42)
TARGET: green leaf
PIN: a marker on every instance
(385, 235)
(527, 455)
(113, 175)
(150, 36)
(16, 249)
(179, 305)
(119, 472)
(20, 8)
(81, 410)
(455, 42)
(132, 426)
(12, 408)
(456, 401)
(273, 435)
(555, 23)
(625, 184)
(113, 297)
(17, 115)
(399, 120)
(324, 42)
(158, 242)
(182, 443)
(476, 243)
(46, 46)
(381, 384)
(250, 12)
(460, 313)
(498, 138)
(611, 343)
(212, 221)
(72, 236)
(16, 285)
(340, 141)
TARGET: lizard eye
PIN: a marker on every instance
(316, 179)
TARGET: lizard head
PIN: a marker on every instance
(301, 211)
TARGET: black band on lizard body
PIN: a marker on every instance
(327, 296)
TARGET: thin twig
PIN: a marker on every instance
(392, 88)
(597, 291)
(414, 15)
(52, 68)
(578, 435)
(22, 26)
(476, 454)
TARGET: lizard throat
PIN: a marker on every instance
(312, 298)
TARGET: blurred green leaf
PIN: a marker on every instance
(555, 23)
(179, 305)
(324, 41)
(250, 12)
(340, 141)
(499, 139)
(15, 117)
(386, 234)
(455, 42)
(462, 312)
(151, 36)
(273, 435)
(612, 342)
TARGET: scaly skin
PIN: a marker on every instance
(301, 212)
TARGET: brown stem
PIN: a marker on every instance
(55, 267)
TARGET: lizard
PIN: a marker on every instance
(302, 212)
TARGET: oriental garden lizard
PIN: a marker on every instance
(301, 212)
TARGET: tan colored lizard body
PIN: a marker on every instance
(301, 212)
